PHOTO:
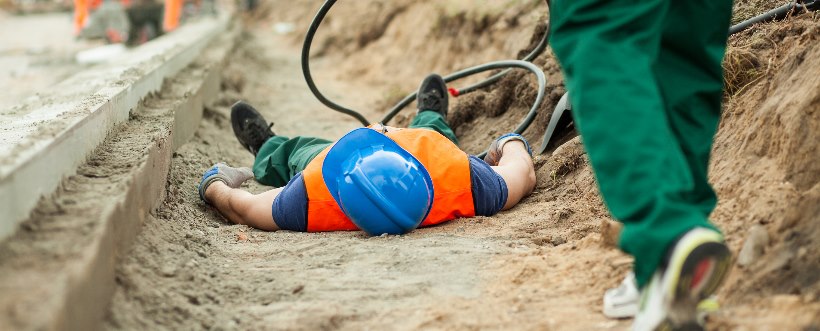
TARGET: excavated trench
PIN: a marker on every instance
(190, 268)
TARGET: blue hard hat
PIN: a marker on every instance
(380, 186)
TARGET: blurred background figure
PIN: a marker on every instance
(134, 21)
(177, 11)
(145, 17)
(107, 20)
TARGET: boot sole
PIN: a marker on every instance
(686, 295)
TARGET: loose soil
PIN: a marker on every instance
(542, 265)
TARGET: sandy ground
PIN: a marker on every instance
(542, 265)
(36, 52)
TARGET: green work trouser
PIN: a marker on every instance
(645, 82)
(281, 158)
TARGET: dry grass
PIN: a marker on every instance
(741, 67)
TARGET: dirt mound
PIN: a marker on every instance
(765, 165)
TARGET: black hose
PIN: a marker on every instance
(306, 65)
(542, 45)
(320, 15)
(542, 85)
(776, 14)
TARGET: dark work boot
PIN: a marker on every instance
(250, 128)
(432, 95)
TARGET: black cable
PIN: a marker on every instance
(314, 25)
(776, 14)
(320, 16)
(542, 45)
(542, 83)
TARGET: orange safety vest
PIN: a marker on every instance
(449, 167)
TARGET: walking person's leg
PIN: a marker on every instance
(609, 51)
(619, 111)
(689, 72)
(690, 76)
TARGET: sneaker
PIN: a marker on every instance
(623, 301)
(250, 127)
(432, 95)
(696, 266)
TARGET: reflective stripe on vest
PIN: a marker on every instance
(449, 167)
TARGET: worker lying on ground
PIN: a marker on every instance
(379, 179)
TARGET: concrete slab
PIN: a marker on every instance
(47, 137)
(57, 272)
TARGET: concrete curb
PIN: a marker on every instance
(58, 270)
(45, 139)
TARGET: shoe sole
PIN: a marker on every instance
(702, 265)
(714, 256)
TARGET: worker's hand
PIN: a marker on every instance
(233, 177)
(497, 146)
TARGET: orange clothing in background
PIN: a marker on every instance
(173, 11)
(80, 15)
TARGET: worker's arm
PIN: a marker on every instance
(515, 166)
(220, 187)
(242, 207)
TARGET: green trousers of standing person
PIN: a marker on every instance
(645, 81)
(281, 158)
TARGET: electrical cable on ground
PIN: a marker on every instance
(506, 64)
(776, 14)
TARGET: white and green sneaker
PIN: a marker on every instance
(695, 268)
(623, 301)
